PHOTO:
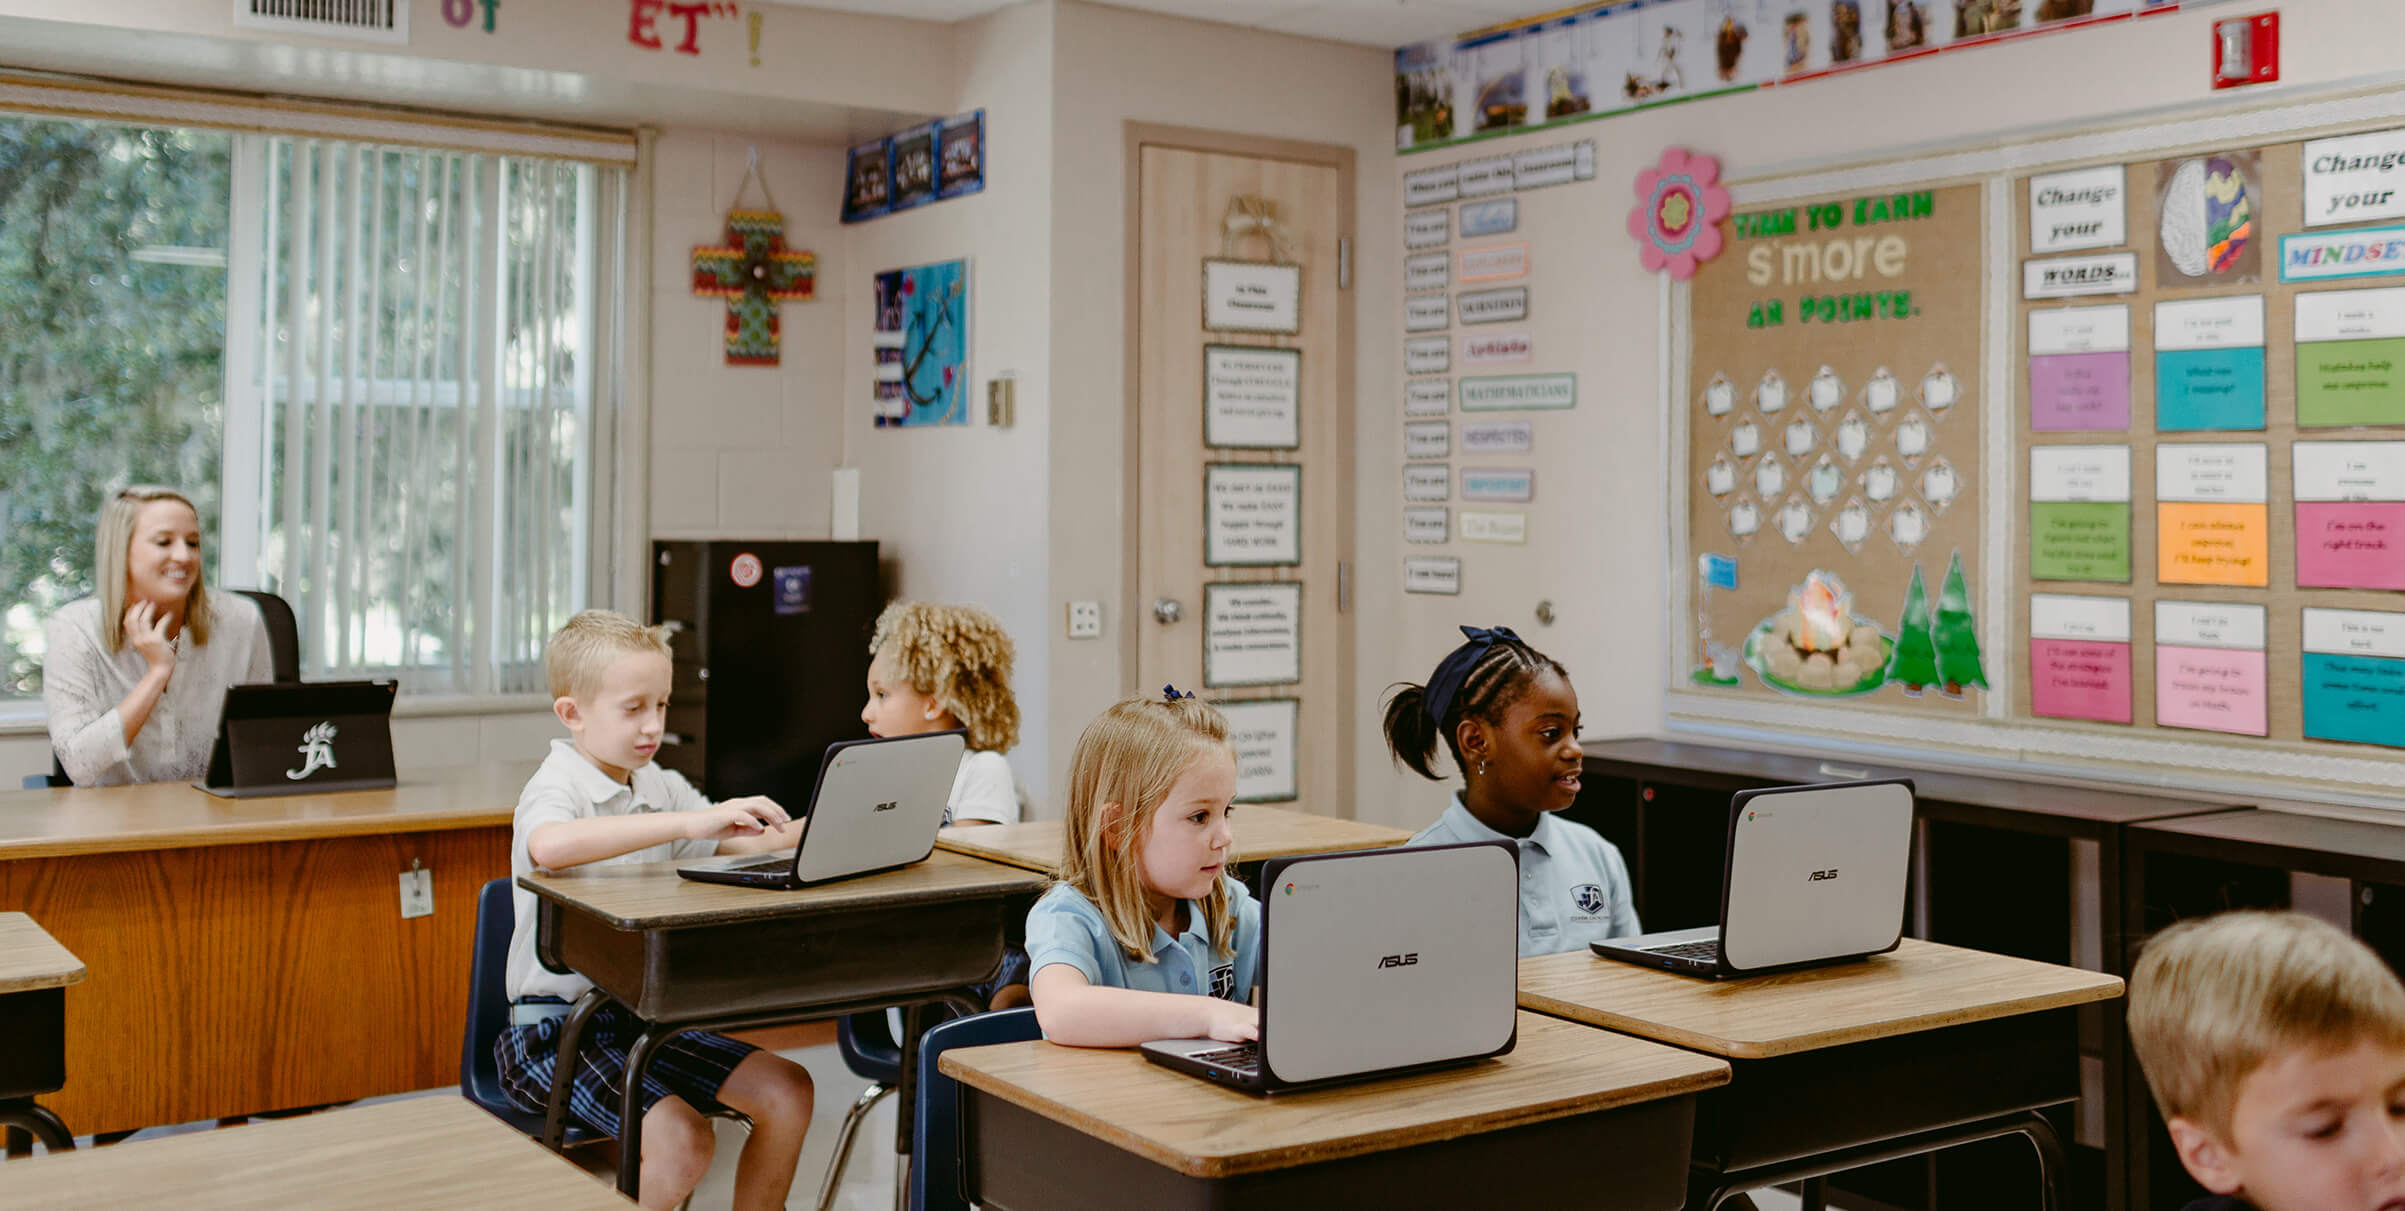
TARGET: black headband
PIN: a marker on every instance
(1455, 668)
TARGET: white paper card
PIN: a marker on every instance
(1481, 177)
(1428, 525)
(2075, 276)
(2079, 473)
(1427, 228)
(2351, 315)
(1498, 483)
(2355, 633)
(1252, 296)
(1497, 437)
(1427, 313)
(1252, 397)
(2225, 323)
(2355, 178)
(1431, 481)
(1252, 634)
(1263, 735)
(2086, 208)
(1428, 397)
(2079, 330)
(2054, 616)
(1427, 271)
(1494, 527)
(1486, 349)
(1494, 306)
(1251, 514)
(1427, 355)
(1427, 439)
(1429, 186)
(2208, 624)
(2223, 473)
(1439, 574)
(2327, 470)
(1494, 263)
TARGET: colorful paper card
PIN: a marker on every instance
(2354, 676)
(2208, 667)
(2079, 664)
(2350, 515)
(2211, 523)
(2079, 513)
(2079, 368)
(2350, 357)
(2208, 364)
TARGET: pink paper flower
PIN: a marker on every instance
(1676, 220)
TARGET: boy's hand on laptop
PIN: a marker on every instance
(746, 817)
(1230, 1022)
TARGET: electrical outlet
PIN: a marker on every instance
(1085, 620)
(417, 893)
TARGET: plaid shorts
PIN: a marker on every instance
(691, 1066)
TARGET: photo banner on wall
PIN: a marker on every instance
(1633, 54)
(1834, 438)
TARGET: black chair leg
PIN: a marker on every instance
(26, 1116)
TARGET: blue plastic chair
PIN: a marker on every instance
(935, 1171)
(488, 1016)
(868, 1048)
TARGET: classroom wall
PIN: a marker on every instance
(1119, 66)
(959, 511)
(1599, 527)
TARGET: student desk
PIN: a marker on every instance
(436, 1151)
(249, 954)
(1262, 833)
(34, 973)
(684, 956)
(1902, 1054)
(1567, 1114)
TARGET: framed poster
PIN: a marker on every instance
(1252, 296)
(1252, 515)
(1252, 634)
(1252, 397)
(868, 181)
(1262, 731)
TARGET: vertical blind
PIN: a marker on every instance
(418, 418)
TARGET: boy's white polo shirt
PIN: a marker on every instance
(570, 787)
(1574, 887)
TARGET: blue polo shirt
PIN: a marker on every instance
(1065, 927)
(1574, 886)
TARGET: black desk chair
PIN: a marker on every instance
(56, 777)
(283, 632)
(935, 1173)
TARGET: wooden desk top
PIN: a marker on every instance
(1261, 833)
(649, 895)
(1204, 1130)
(31, 959)
(2102, 803)
(434, 1151)
(175, 815)
(1918, 986)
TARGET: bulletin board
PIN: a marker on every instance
(2174, 438)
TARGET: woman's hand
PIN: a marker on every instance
(146, 629)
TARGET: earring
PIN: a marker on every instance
(1482, 767)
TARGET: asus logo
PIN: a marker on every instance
(1399, 960)
(1819, 876)
(886, 807)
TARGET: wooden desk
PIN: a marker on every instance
(685, 956)
(1262, 833)
(1064, 1127)
(434, 1151)
(249, 954)
(1834, 1067)
(34, 974)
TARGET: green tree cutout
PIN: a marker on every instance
(1957, 637)
(1913, 664)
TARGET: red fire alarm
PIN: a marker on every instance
(2246, 50)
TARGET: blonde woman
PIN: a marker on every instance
(935, 668)
(135, 676)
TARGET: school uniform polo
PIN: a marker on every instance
(1574, 886)
(1065, 927)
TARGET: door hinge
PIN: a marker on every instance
(1344, 264)
(1344, 586)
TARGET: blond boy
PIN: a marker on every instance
(599, 799)
(2275, 1046)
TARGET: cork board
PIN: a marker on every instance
(2223, 562)
(1835, 426)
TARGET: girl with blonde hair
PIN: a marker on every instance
(134, 677)
(937, 668)
(1147, 935)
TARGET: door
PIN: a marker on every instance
(1244, 440)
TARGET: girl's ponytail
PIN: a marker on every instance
(1410, 733)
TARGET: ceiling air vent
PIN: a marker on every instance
(360, 20)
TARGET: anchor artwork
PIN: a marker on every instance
(756, 274)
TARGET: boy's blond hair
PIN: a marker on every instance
(1131, 755)
(960, 656)
(583, 649)
(2214, 998)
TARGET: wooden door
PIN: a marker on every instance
(1194, 206)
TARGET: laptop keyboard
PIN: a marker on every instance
(770, 866)
(1244, 1058)
(1707, 950)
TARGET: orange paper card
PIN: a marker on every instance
(2211, 543)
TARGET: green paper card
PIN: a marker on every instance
(2079, 540)
(2350, 383)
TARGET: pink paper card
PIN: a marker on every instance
(2079, 679)
(2350, 544)
(2213, 689)
(2070, 391)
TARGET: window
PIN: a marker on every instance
(383, 371)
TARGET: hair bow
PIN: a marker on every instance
(1455, 668)
(1169, 693)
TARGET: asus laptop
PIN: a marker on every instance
(1375, 962)
(303, 738)
(1815, 875)
(876, 806)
